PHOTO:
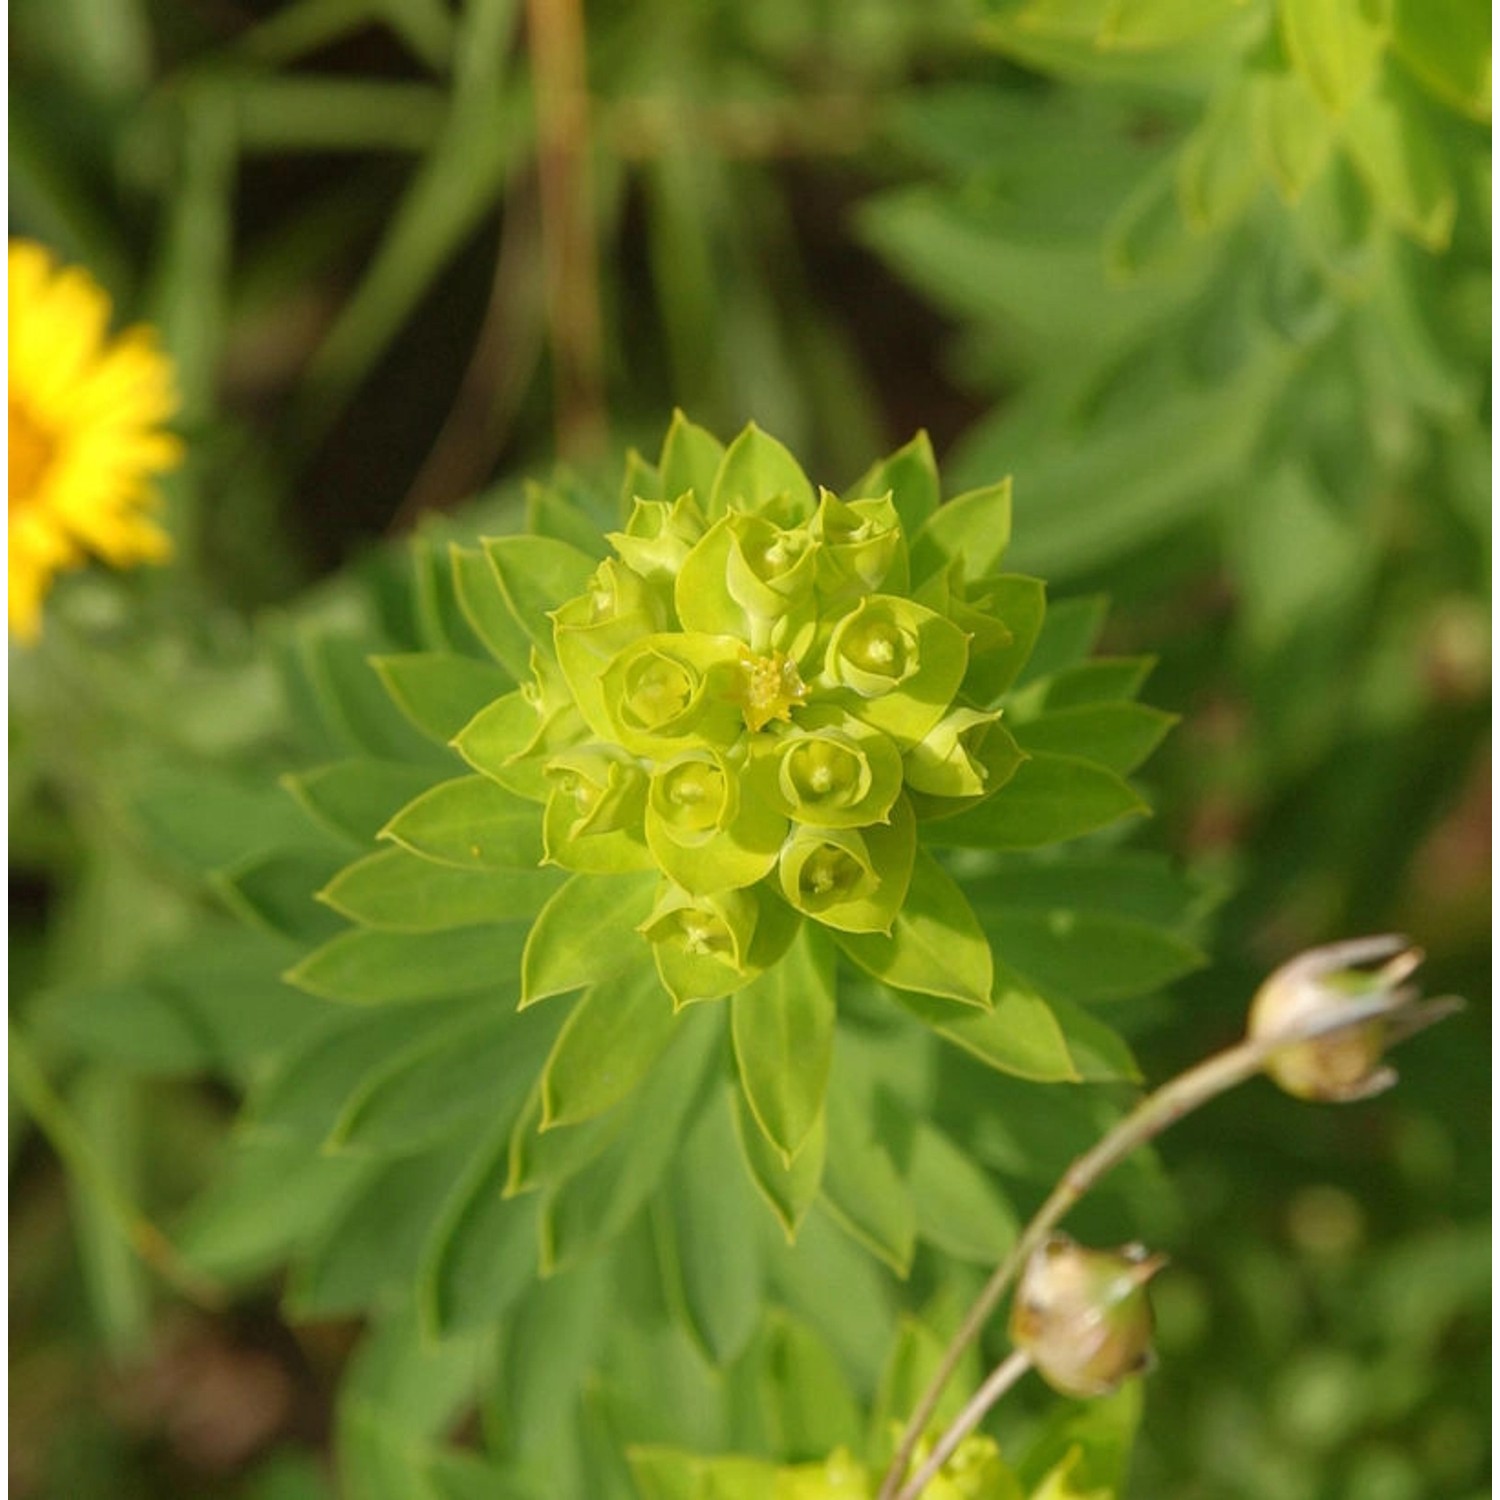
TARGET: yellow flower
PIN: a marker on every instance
(86, 436)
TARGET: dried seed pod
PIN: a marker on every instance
(1326, 984)
(1083, 1315)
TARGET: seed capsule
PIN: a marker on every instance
(1325, 983)
(1083, 1315)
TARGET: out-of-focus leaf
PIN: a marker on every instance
(375, 967)
(356, 798)
(788, 1189)
(440, 693)
(783, 1025)
(1049, 799)
(397, 891)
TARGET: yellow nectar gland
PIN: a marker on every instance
(773, 688)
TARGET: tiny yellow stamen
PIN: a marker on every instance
(773, 688)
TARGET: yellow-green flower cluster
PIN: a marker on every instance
(750, 698)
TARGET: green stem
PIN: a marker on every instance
(1000, 1380)
(67, 1138)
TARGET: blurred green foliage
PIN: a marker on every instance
(1211, 279)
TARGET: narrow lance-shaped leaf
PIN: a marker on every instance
(586, 932)
(609, 1043)
(936, 945)
(789, 1190)
(471, 822)
(783, 1025)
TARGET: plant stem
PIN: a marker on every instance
(67, 1138)
(559, 57)
(1179, 1097)
(1000, 1380)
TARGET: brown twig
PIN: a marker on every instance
(505, 354)
(558, 44)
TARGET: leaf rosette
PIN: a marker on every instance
(716, 759)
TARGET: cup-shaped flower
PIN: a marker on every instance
(863, 547)
(1083, 1315)
(832, 772)
(702, 831)
(751, 578)
(948, 760)
(853, 879)
(618, 607)
(702, 943)
(1317, 991)
(667, 689)
(593, 817)
(898, 663)
(658, 537)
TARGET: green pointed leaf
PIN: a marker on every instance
(551, 1349)
(1217, 170)
(1051, 798)
(354, 705)
(537, 1159)
(480, 1067)
(811, 1408)
(373, 967)
(206, 820)
(1104, 679)
(1118, 735)
(271, 1199)
(356, 798)
(482, 1254)
(757, 469)
(398, 891)
(1292, 132)
(586, 932)
(936, 946)
(1020, 604)
(789, 1190)
(1020, 1035)
(861, 1186)
(552, 513)
(709, 1216)
(1446, 43)
(595, 1204)
(690, 460)
(1069, 630)
(470, 822)
(1391, 140)
(440, 692)
(610, 1041)
(485, 608)
(974, 527)
(274, 892)
(783, 1024)
(1099, 1054)
(958, 1208)
(910, 476)
(1088, 956)
(311, 1084)
(1335, 44)
(494, 735)
(371, 1248)
(537, 575)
